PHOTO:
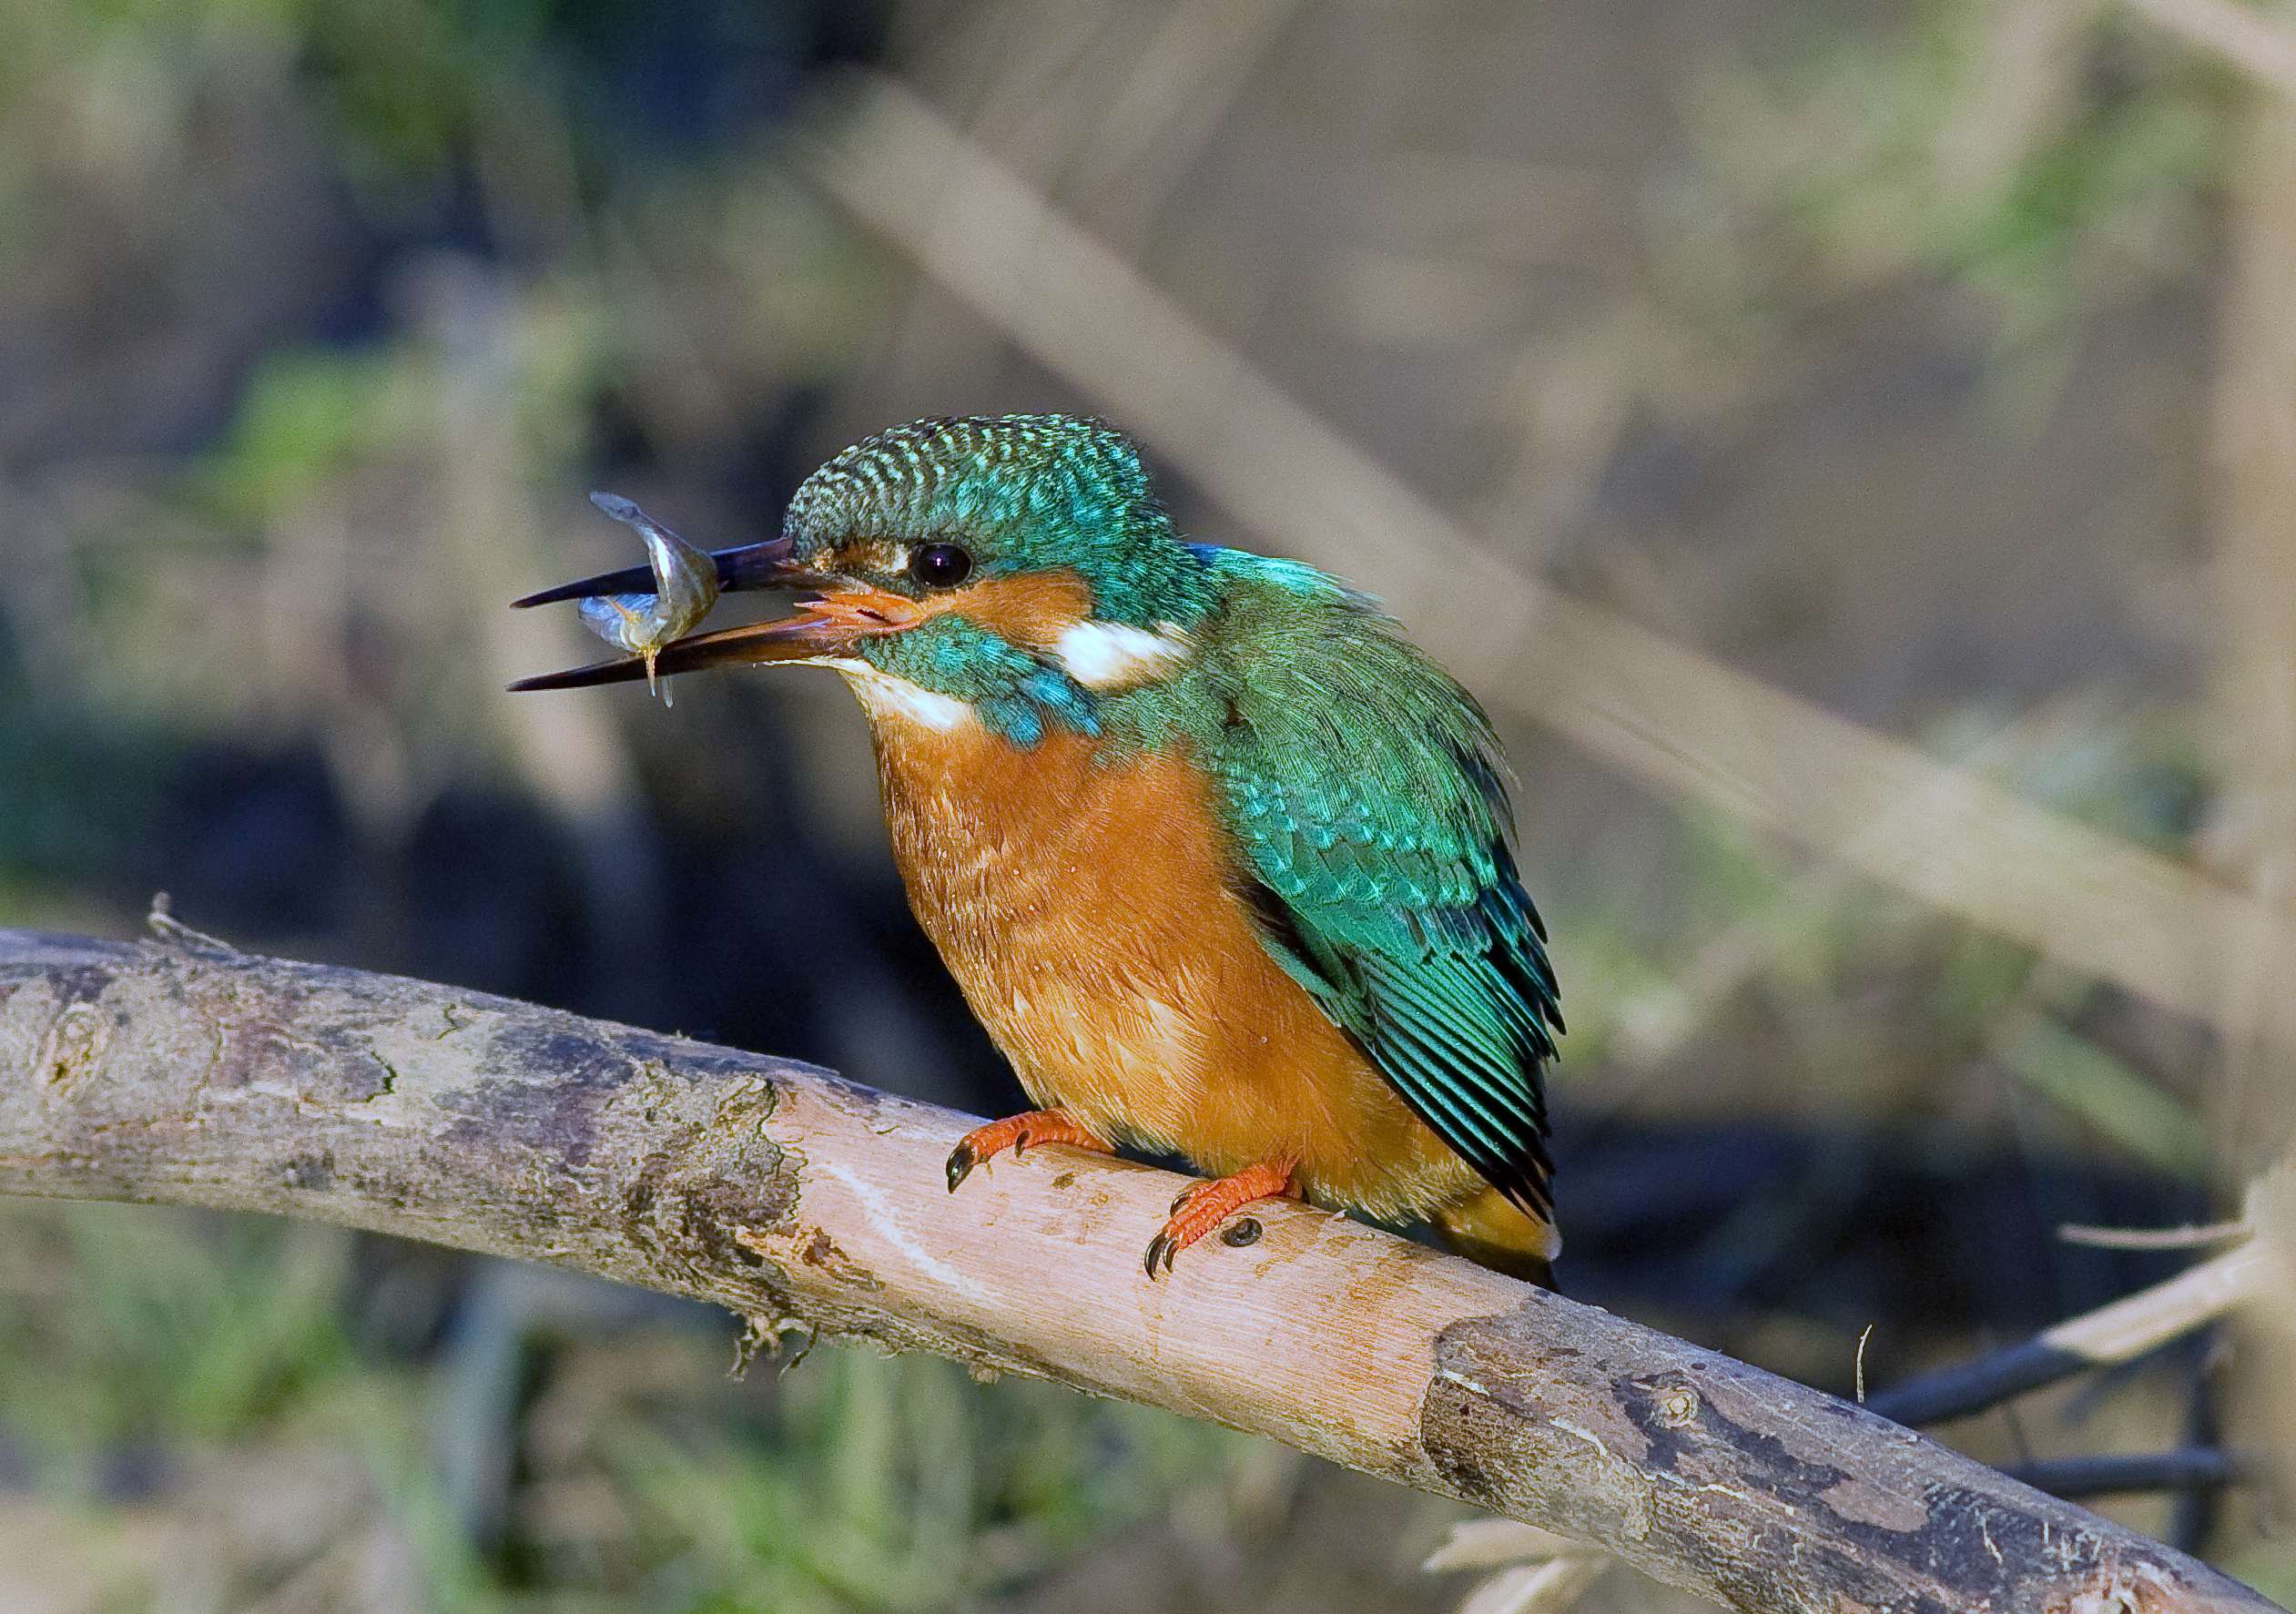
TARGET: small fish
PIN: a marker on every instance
(686, 587)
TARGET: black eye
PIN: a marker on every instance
(940, 565)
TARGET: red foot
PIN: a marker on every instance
(1018, 1132)
(1207, 1204)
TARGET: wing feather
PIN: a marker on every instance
(1366, 793)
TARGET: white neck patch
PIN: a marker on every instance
(1113, 655)
(885, 697)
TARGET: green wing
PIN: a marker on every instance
(1367, 792)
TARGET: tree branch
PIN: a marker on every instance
(183, 1072)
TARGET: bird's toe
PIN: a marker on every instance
(961, 1160)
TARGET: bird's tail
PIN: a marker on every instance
(1494, 1231)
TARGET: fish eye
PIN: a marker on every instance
(940, 565)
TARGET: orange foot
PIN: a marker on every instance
(1207, 1204)
(1017, 1132)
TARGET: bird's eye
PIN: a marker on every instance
(940, 565)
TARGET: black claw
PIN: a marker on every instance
(1181, 1198)
(1159, 1246)
(1238, 1233)
(961, 1160)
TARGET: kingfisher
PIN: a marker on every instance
(1224, 865)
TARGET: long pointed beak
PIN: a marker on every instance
(822, 628)
(750, 566)
(640, 608)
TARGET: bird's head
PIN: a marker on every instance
(1009, 570)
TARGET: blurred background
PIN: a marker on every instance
(1852, 448)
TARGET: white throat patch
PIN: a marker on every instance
(1113, 655)
(884, 696)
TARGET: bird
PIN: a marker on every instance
(1222, 862)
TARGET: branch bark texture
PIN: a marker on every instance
(179, 1072)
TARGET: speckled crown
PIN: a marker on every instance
(977, 473)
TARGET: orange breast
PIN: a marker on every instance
(1088, 911)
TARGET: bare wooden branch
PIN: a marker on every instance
(181, 1073)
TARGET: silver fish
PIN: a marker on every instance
(686, 587)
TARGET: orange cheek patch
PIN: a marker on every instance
(1032, 611)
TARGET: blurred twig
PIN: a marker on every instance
(2127, 1473)
(1539, 1572)
(2239, 36)
(2089, 1081)
(2152, 1238)
(2119, 1331)
(1546, 1587)
(2253, 447)
(1196, 64)
(176, 1072)
(2252, 443)
(1678, 719)
(1657, 1027)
